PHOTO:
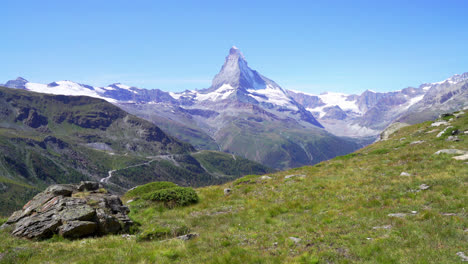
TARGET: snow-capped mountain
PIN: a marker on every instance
(246, 113)
(242, 112)
(369, 113)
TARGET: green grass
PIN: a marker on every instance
(339, 211)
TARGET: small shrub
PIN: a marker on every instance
(2, 221)
(172, 197)
(149, 188)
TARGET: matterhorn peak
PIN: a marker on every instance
(236, 73)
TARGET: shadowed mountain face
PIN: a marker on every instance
(48, 139)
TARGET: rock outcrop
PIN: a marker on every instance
(71, 210)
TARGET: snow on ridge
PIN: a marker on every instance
(65, 88)
(221, 93)
(274, 95)
(339, 99)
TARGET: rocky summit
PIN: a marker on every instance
(72, 211)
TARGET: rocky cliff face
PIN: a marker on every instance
(72, 211)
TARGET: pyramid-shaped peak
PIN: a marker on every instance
(235, 53)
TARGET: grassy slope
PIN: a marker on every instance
(337, 210)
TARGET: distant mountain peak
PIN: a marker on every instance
(237, 73)
(21, 79)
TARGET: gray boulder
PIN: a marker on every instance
(73, 211)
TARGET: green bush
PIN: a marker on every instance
(149, 188)
(172, 197)
(2, 221)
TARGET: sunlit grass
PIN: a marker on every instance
(339, 211)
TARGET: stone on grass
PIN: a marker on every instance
(443, 131)
(294, 175)
(463, 257)
(72, 214)
(424, 186)
(439, 123)
(187, 236)
(452, 138)
(451, 151)
(462, 157)
(227, 191)
(265, 177)
(397, 215)
(296, 240)
(405, 174)
(417, 142)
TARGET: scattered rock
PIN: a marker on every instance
(443, 131)
(439, 123)
(128, 237)
(455, 132)
(432, 131)
(187, 236)
(296, 240)
(227, 191)
(64, 210)
(452, 138)
(459, 114)
(423, 187)
(414, 212)
(417, 142)
(449, 214)
(392, 129)
(403, 138)
(294, 175)
(405, 174)
(275, 244)
(465, 132)
(451, 151)
(382, 227)
(265, 177)
(397, 215)
(462, 157)
(463, 257)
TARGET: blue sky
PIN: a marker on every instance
(313, 46)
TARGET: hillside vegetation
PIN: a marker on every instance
(47, 139)
(395, 201)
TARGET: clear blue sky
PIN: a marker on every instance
(313, 46)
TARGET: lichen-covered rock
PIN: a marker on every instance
(72, 211)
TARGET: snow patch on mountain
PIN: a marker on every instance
(272, 95)
(221, 93)
(66, 88)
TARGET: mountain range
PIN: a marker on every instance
(247, 114)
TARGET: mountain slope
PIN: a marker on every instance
(47, 139)
(395, 201)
